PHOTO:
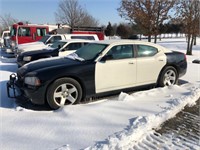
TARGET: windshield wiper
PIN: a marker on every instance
(74, 56)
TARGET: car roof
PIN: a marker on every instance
(125, 41)
(122, 41)
(76, 40)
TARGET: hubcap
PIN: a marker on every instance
(169, 78)
(65, 94)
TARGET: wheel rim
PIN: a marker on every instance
(169, 78)
(65, 94)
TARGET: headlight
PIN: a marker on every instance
(27, 58)
(19, 50)
(13, 44)
(34, 81)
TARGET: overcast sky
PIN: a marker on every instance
(42, 11)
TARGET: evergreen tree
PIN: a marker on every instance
(109, 31)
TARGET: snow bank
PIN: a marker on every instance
(115, 123)
(143, 125)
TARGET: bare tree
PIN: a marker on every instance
(189, 13)
(6, 21)
(71, 13)
(148, 14)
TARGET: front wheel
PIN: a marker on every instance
(64, 91)
(168, 77)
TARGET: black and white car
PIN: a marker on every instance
(97, 69)
(58, 48)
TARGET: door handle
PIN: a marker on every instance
(131, 63)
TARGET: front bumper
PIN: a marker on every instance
(11, 86)
(15, 90)
(21, 63)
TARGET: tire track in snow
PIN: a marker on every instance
(181, 132)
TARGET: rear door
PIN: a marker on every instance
(150, 61)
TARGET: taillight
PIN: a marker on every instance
(185, 57)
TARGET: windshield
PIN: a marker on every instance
(90, 51)
(13, 32)
(44, 39)
(58, 43)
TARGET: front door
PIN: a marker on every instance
(117, 71)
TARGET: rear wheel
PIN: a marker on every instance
(168, 76)
(64, 91)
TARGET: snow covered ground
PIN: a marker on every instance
(115, 123)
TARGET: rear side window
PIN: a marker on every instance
(146, 51)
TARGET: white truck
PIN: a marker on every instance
(49, 39)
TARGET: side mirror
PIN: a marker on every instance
(61, 50)
(106, 57)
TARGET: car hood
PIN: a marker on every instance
(33, 48)
(37, 52)
(47, 63)
(29, 44)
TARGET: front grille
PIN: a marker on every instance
(20, 80)
(19, 58)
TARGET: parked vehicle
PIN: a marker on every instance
(59, 48)
(26, 33)
(89, 30)
(99, 68)
(49, 39)
(4, 39)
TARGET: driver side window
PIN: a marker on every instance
(120, 52)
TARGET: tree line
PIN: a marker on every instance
(144, 17)
(133, 31)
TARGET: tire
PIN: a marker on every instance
(64, 91)
(168, 77)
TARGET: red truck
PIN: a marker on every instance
(25, 33)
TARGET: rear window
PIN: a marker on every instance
(83, 37)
